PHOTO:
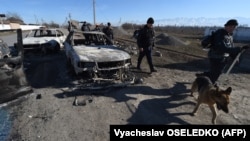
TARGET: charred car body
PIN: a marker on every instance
(13, 83)
(92, 55)
(44, 39)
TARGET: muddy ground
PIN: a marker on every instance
(48, 114)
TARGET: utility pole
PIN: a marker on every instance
(69, 16)
(36, 20)
(94, 11)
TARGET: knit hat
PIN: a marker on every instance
(232, 22)
(109, 24)
(150, 20)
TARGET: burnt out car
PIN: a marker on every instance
(13, 82)
(92, 55)
(44, 39)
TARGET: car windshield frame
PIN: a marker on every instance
(44, 33)
(88, 38)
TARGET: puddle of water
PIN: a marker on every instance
(5, 124)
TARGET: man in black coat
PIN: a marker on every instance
(108, 30)
(221, 49)
(85, 27)
(145, 42)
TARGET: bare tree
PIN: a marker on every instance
(14, 18)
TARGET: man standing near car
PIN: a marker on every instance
(85, 27)
(145, 42)
(109, 31)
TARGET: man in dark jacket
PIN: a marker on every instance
(221, 49)
(97, 28)
(85, 27)
(145, 42)
(109, 31)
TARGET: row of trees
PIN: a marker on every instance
(176, 29)
(15, 18)
(12, 18)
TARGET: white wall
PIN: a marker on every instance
(4, 26)
(23, 27)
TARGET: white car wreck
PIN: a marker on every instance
(92, 54)
(44, 39)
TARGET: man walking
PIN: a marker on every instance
(145, 42)
(221, 49)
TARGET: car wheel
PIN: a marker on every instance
(5, 57)
(127, 76)
(57, 48)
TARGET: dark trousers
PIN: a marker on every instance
(216, 68)
(146, 52)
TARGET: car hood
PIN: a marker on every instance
(101, 53)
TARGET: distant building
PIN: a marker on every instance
(241, 35)
(17, 26)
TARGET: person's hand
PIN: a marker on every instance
(245, 47)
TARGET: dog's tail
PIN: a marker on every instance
(194, 88)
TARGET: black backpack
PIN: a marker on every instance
(138, 35)
(208, 40)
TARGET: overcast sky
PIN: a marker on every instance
(165, 12)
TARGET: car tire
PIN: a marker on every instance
(57, 48)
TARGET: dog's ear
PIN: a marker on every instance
(228, 90)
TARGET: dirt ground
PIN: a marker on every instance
(48, 114)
